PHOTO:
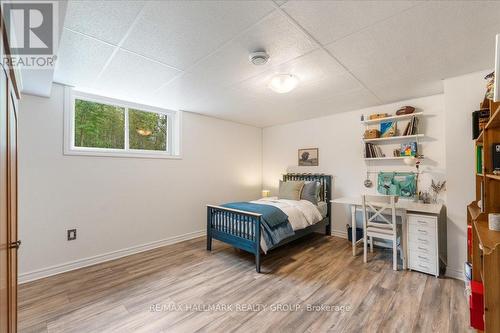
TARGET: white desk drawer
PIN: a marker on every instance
(426, 248)
(428, 256)
(422, 239)
(421, 234)
(423, 263)
(422, 220)
(422, 225)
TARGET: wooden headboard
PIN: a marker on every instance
(325, 180)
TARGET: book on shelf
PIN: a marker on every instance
(412, 127)
(373, 151)
(409, 149)
(479, 159)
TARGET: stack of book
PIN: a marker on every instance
(412, 127)
(373, 151)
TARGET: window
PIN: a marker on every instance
(99, 125)
(106, 127)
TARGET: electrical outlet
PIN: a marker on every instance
(71, 234)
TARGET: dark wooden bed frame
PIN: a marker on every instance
(242, 229)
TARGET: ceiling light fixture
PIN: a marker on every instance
(258, 58)
(283, 83)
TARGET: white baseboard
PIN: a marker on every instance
(455, 273)
(84, 262)
(339, 233)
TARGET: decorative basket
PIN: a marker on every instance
(372, 134)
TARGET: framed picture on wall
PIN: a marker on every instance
(309, 157)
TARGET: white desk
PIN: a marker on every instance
(403, 208)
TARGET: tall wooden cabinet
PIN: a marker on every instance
(9, 243)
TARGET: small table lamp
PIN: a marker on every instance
(266, 193)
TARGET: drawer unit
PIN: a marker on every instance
(422, 240)
(423, 263)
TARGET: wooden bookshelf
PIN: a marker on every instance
(484, 254)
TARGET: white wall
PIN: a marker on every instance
(118, 203)
(338, 138)
(462, 96)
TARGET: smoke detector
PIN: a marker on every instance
(258, 58)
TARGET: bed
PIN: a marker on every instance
(248, 230)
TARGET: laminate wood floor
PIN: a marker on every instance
(311, 285)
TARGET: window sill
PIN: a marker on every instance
(120, 154)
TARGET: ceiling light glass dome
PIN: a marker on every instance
(283, 83)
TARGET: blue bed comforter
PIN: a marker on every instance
(275, 224)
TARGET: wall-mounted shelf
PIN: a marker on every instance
(387, 158)
(395, 138)
(394, 118)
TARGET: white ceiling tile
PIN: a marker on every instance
(80, 59)
(105, 20)
(328, 21)
(230, 64)
(179, 33)
(432, 41)
(323, 83)
(133, 77)
(403, 88)
(273, 108)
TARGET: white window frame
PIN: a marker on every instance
(174, 123)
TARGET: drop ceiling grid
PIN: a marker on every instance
(139, 15)
(321, 78)
(122, 43)
(329, 21)
(180, 33)
(132, 82)
(306, 33)
(80, 58)
(227, 68)
(219, 52)
(104, 20)
(209, 90)
(388, 50)
(427, 46)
